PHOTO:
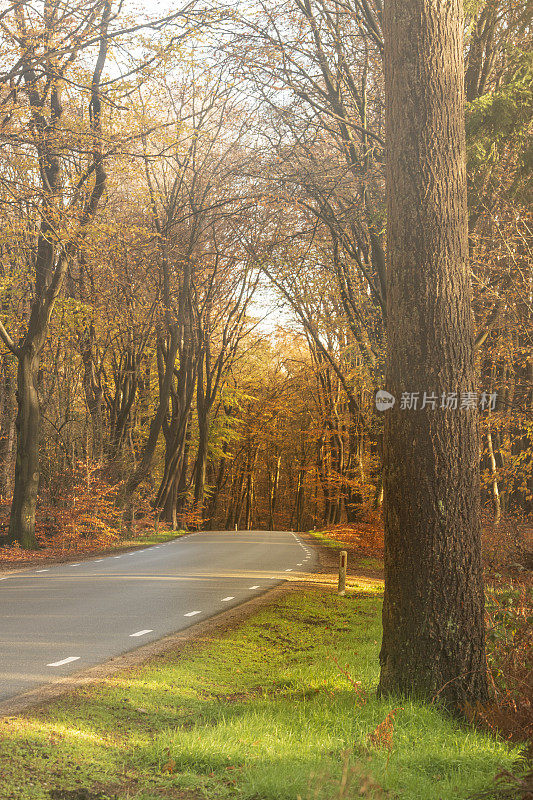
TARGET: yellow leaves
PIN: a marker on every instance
(73, 313)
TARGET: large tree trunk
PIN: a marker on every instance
(143, 469)
(22, 519)
(300, 499)
(273, 480)
(7, 427)
(433, 626)
(201, 460)
(169, 510)
(94, 394)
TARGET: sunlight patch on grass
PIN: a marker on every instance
(326, 541)
(265, 711)
(148, 537)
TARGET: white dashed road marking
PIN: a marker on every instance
(64, 661)
(75, 565)
(192, 613)
(42, 570)
(253, 587)
(142, 633)
(225, 599)
(288, 570)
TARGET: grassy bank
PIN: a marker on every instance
(150, 536)
(281, 707)
(327, 541)
(14, 557)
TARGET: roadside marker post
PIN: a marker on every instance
(342, 573)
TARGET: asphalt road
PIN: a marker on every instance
(58, 620)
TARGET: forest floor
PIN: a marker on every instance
(280, 704)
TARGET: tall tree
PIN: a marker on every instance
(57, 151)
(42, 71)
(433, 626)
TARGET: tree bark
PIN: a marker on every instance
(219, 482)
(433, 616)
(94, 394)
(273, 480)
(7, 427)
(156, 424)
(201, 460)
(24, 503)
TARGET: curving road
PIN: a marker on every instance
(60, 619)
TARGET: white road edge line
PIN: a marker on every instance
(64, 661)
(142, 633)
(225, 599)
(192, 613)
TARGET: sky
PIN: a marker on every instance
(265, 306)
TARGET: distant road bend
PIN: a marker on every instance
(60, 619)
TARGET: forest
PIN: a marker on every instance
(193, 264)
(268, 268)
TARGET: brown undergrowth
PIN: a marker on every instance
(78, 513)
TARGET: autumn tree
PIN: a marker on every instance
(57, 126)
(197, 199)
(44, 49)
(433, 624)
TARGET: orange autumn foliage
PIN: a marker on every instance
(365, 537)
(80, 516)
(381, 736)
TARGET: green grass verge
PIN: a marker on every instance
(151, 537)
(260, 713)
(322, 538)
